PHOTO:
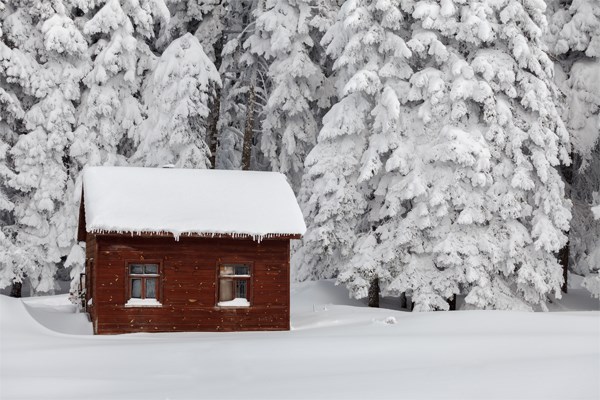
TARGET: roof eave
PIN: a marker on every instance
(236, 236)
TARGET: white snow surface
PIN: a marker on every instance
(337, 349)
(187, 201)
(143, 303)
(237, 302)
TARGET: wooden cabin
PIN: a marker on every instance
(171, 250)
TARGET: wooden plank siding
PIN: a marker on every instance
(188, 289)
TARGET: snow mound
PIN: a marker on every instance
(15, 320)
(42, 315)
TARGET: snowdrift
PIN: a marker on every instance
(337, 349)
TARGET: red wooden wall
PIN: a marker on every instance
(189, 282)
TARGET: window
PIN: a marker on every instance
(144, 285)
(234, 285)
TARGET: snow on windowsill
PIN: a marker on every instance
(237, 302)
(143, 303)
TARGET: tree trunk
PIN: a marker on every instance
(563, 259)
(16, 289)
(374, 293)
(249, 129)
(213, 120)
(452, 303)
(563, 254)
(215, 108)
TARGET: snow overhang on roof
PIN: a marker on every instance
(190, 201)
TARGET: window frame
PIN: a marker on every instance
(250, 280)
(129, 277)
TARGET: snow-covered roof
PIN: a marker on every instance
(190, 201)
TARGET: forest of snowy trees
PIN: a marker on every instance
(437, 147)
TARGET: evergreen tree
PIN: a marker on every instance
(585, 228)
(343, 169)
(110, 110)
(574, 37)
(14, 86)
(11, 120)
(469, 199)
(207, 20)
(44, 222)
(282, 37)
(177, 96)
(240, 71)
(490, 222)
(12, 264)
(202, 18)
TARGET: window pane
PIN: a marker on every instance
(136, 288)
(242, 270)
(234, 269)
(240, 289)
(226, 290)
(136, 269)
(226, 270)
(150, 288)
(151, 269)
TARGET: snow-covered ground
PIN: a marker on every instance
(338, 348)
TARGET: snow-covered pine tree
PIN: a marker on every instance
(43, 215)
(2, 11)
(12, 265)
(574, 37)
(14, 82)
(484, 213)
(576, 40)
(258, 84)
(343, 169)
(206, 20)
(15, 266)
(202, 18)
(323, 14)
(470, 200)
(10, 113)
(240, 71)
(11, 121)
(110, 110)
(289, 127)
(177, 96)
(585, 239)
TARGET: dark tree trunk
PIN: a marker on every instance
(374, 293)
(452, 303)
(16, 289)
(563, 254)
(563, 259)
(249, 129)
(215, 108)
(212, 133)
